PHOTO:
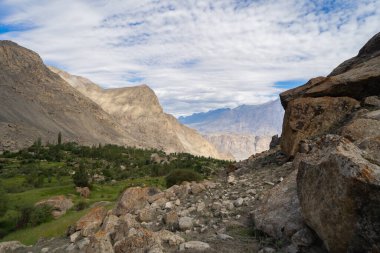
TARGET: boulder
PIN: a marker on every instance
(171, 220)
(194, 245)
(83, 192)
(357, 78)
(140, 240)
(372, 101)
(186, 223)
(168, 237)
(146, 214)
(275, 141)
(339, 194)
(134, 199)
(60, 204)
(99, 243)
(308, 117)
(362, 127)
(91, 222)
(10, 246)
(279, 213)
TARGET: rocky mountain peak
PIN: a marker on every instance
(15, 58)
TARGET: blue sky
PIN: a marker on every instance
(196, 55)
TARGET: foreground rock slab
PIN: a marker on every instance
(339, 193)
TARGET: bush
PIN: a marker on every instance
(81, 205)
(3, 202)
(80, 177)
(32, 216)
(178, 176)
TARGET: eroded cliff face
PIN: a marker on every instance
(240, 146)
(37, 103)
(138, 110)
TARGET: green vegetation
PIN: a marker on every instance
(43, 171)
(180, 175)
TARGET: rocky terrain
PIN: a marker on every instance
(318, 191)
(242, 131)
(38, 103)
(138, 110)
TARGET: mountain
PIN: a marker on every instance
(242, 131)
(35, 102)
(138, 110)
(263, 119)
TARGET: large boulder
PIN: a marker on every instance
(358, 78)
(339, 194)
(60, 204)
(91, 222)
(308, 117)
(279, 213)
(134, 199)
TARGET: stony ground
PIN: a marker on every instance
(215, 212)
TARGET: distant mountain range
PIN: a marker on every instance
(241, 131)
(39, 102)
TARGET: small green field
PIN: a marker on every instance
(41, 172)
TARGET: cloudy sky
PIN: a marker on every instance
(196, 55)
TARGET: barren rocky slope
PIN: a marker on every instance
(242, 131)
(140, 113)
(36, 102)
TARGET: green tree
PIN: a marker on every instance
(59, 138)
(80, 177)
(3, 201)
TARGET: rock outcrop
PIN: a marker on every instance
(332, 127)
(138, 110)
(308, 117)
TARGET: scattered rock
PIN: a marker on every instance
(83, 192)
(194, 245)
(185, 223)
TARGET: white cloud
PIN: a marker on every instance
(196, 55)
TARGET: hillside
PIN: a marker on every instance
(35, 102)
(140, 113)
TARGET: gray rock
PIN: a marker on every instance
(185, 223)
(339, 195)
(194, 245)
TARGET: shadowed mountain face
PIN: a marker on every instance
(242, 131)
(138, 110)
(36, 102)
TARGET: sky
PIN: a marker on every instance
(196, 55)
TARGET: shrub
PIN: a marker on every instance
(80, 177)
(178, 176)
(81, 205)
(3, 202)
(32, 216)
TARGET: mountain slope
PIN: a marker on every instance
(140, 113)
(242, 131)
(36, 102)
(264, 119)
